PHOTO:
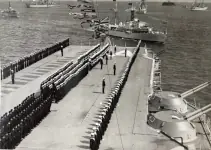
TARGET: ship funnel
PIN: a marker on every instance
(198, 113)
(196, 89)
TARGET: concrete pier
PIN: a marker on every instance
(127, 128)
(28, 80)
(67, 125)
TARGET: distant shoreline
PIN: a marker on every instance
(157, 1)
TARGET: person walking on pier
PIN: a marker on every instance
(101, 63)
(115, 49)
(12, 76)
(110, 54)
(62, 50)
(103, 86)
(125, 52)
(114, 68)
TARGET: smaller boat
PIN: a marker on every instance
(10, 12)
(40, 4)
(198, 6)
(168, 3)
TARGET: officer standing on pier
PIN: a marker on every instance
(62, 50)
(110, 54)
(115, 49)
(12, 76)
(114, 68)
(106, 58)
(101, 63)
(103, 86)
(125, 52)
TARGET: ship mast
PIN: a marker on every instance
(132, 13)
(115, 12)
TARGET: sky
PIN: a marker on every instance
(206, 1)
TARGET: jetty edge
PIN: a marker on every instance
(12, 123)
(32, 58)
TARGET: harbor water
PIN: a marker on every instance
(186, 62)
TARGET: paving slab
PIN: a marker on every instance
(27, 81)
(69, 122)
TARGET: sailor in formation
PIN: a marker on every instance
(110, 54)
(12, 72)
(17, 123)
(125, 52)
(103, 86)
(61, 50)
(114, 68)
(106, 58)
(115, 49)
(101, 63)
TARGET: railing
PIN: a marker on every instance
(32, 58)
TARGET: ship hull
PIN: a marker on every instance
(142, 11)
(161, 38)
(38, 6)
(199, 8)
(168, 4)
(11, 15)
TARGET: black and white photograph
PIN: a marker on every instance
(105, 74)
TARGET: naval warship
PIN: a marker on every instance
(40, 4)
(168, 3)
(135, 29)
(145, 117)
(10, 12)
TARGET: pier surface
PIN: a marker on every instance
(127, 129)
(69, 122)
(27, 81)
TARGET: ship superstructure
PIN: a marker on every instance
(199, 6)
(83, 10)
(136, 29)
(40, 4)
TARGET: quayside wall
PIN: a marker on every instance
(32, 58)
(18, 122)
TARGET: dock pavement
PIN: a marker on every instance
(67, 125)
(127, 129)
(27, 81)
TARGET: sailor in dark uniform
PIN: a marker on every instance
(62, 50)
(101, 63)
(12, 76)
(106, 58)
(125, 52)
(114, 68)
(110, 54)
(103, 86)
(115, 49)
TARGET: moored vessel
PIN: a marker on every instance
(40, 4)
(168, 3)
(10, 12)
(136, 29)
(198, 6)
